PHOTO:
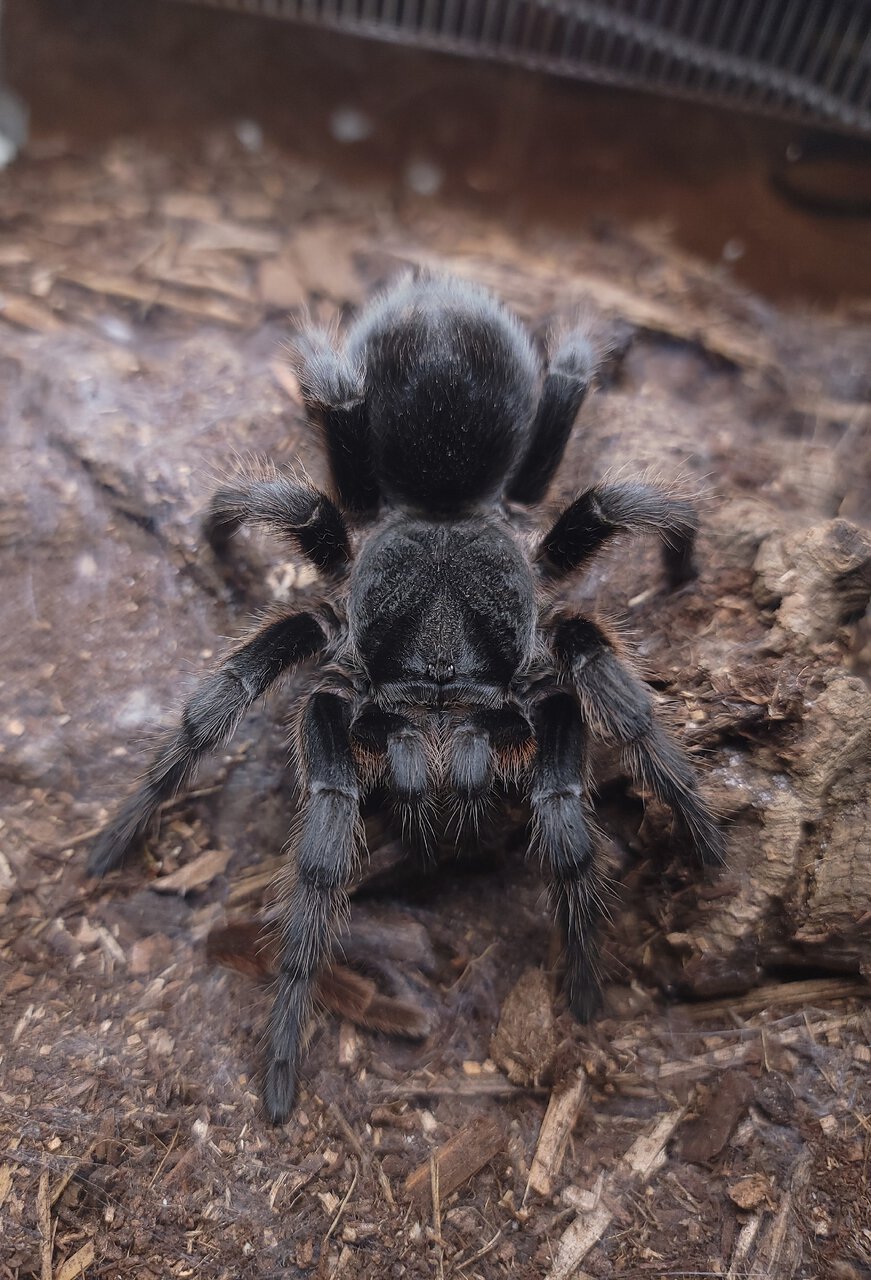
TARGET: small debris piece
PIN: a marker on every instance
(457, 1160)
(559, 1120)
(525, 1041)
(194, 875)
(705, 1136)
(640, 1162)
(774, 1096)
(750, 1192)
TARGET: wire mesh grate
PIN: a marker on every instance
(802, 59)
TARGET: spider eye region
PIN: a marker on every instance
(440, 671)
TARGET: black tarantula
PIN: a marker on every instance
(441, 661)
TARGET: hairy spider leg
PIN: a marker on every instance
(325, 855)
(209, 720)
(334, 397)
(565, 841)
(619, 709)
(566, 384)
(301, 513)
(605, 510)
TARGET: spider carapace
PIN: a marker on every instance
(440, 658)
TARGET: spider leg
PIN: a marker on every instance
(619, 708)
(295, 511)
(209, 719)
(565, 842)
(605, 510)
(334, 397)
(565, 388)
(324, 862)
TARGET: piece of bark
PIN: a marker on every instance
(819, 579)
(797, 872)
(816, 992)
(249, 948)
(456, 1160)
(350, 995)
(565, 1103)
(705, 1136)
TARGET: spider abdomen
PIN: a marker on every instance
(451, 382)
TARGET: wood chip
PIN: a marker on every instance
(286, 379)
(78, 1264)
(233, 237)
(641, 1161)
(5, 1182)
(190, 206)
(43, 1218)
(27, 313)
(457, 1160)
(194, 875)
(80, 213)
(559, 1120)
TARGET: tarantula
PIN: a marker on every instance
(441, 661)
